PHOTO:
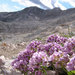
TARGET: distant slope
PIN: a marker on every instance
(31, 13)
(34, 18)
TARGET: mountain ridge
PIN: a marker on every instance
(34, 18)
(27, 13)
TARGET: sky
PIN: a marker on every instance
(16, 5)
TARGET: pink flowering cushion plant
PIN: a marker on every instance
(37, 58)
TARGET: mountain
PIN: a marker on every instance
(30, 13)
(34, 13)
(35, 21)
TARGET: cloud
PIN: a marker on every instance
(53, 3)
(57, 4)
(46, 4)
(39, 3)
(8, 8)
(42, 3)
(26, 3)
(16, 7)
(60, 6)
(71, 2)
(5, 8)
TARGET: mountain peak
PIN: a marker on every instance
(57, 9)
(32, 9)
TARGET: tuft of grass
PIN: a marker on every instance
(67, 35)
(38, 38)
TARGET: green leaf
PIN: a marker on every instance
(44, 71)
(71, 73)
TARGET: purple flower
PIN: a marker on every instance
(59, 59)
(56, 38)
(57, 51)
(52, 47)
(38, 59)
(69, 45)
(71, 64)
(33, 45)
(38, 73)
(52, 38)
(55, 56)
(21, 62)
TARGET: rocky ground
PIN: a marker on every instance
(12, 44)
(9, 51)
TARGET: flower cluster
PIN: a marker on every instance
(56, 38)
(71, 64)
(37, 57)
(69, 46)
(21, 62)
(38, 60)
(33, 45)
(59, 59)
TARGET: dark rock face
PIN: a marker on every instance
(32, 18)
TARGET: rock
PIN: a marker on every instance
(2, 59)
(1, 39)
(6, 69)
(1, 62)
(13, 72)
(51, 72)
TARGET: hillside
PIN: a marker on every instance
(33, 22)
